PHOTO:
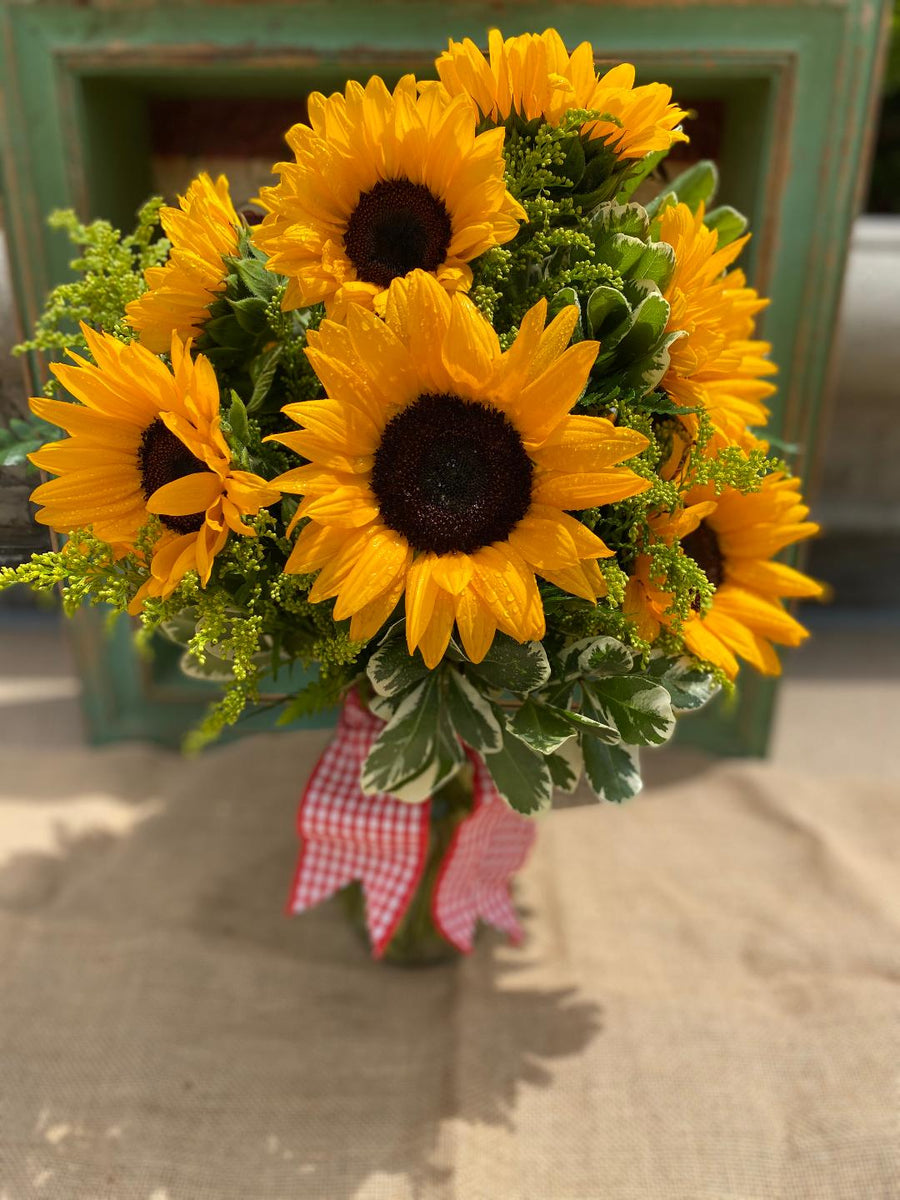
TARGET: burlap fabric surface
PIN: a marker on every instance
(706, 1005)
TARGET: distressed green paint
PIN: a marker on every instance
(798, 81)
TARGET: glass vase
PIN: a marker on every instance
(417, 942)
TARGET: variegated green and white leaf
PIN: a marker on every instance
(472, 715)
(606, 656)
(590, 726)
(415, 752)
(520, 776)
(543, 729)
(688, 686)
(566, 766)
(640, 709)
(384, 707)
(510, 666)
(392, 669)
(613, 772)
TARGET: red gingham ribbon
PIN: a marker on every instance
(347, 835)
(487, 850)
(383, 842)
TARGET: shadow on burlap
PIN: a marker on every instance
(706, 1004)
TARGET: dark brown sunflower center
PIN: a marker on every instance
(396, 226)
(451, 475)
(703, 547)
(162, 458)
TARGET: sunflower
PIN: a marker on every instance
(732, 538)
(144, 440)
(718, 366)
(535, 77)
(202, 231)
(440, 470)
(384, 184)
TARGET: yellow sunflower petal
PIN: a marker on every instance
(772, 578)
(190, 494)
(436, 638)
(475, 623)
(315, 546)
(703, 642)
(582, 443)
(507, 587)
(421, 597)
(384, 556)
(762, 616)
(587, 489)
(367, 621)
(351, 507)
(572, 579)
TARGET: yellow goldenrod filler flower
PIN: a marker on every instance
(440, 469)
(384, 184)
(535, 77)
(202, 231)
(145, 439)
(732, 538)
(718, 365)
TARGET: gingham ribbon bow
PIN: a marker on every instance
(383, 842)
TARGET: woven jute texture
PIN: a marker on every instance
(706, 1006)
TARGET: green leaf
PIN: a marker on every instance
(317, 696)
(225, 331)
(520, 776)
(727, 222)
(643, 332)
(510, 666)
(613, 772)
(618, 218)
(541, 728)
(622, 252)
(180, 629)
(660, 402)
(693, 187)
(688, 686)
(472, 715)
(586, 725)
(416, 751)
(639, 172)
(23, 436)
(605, 656)
(639, 708)
(574, 163)
(656, 264)
(566, 766)
(392, 669)
(262, 372)
(562, 299)
(606, 309)
(237, 419)
(250, 313)
(254, 276)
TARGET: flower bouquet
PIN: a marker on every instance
(451, 419)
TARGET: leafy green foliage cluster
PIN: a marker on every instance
(110, 274)
(539, 721)
(109, 270)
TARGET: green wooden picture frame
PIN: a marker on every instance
(797, 81)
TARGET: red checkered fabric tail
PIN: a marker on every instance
(487, 850)
(347, 835)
